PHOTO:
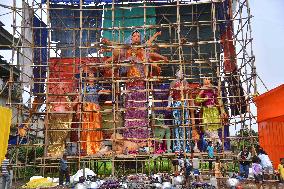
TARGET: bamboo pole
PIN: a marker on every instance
(245, 58)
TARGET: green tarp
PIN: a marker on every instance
(128, 16)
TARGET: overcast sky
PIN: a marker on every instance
(268, 30)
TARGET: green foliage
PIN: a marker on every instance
(27, 156)
(105, 168)
(39, 151)
(248, 138)
(29, 171)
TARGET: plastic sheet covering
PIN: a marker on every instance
(233, 95)
(166, 15)
(17, 140)
(5, 124)
(126, 16)
(66, 29)
(80, 173)
(40, 54)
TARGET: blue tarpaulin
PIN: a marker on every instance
(40, 54)
(223, 15)
(13, 140)
(65, 23)
(167, 16)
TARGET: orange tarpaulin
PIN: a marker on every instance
(270, 105)
(270, 118)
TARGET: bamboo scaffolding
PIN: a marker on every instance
(187, 55)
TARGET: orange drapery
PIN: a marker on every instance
(91, 136)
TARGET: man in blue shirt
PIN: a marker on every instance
(210, 150)
(5, 173)
(64, 170)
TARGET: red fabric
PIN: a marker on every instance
(136, 83)
(230, 64)
(74, 133)
(64, 70)
(192, 90)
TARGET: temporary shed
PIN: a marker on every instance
(270, 118)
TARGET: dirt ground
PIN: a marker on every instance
(19, 184)
(254, 186)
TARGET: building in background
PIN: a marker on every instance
(11, 91)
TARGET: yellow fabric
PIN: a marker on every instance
(59, 124)
(39, 183)
(5, 124)
(281, 170)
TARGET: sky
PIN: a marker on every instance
(268, 42)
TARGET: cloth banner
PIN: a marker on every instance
(5, 124)
(224, 14)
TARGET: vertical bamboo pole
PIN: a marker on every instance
(113, 82)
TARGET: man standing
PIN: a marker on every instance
(210, 151)
(244, 158)
(5, 173)
(195, 166)
(64, 171)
